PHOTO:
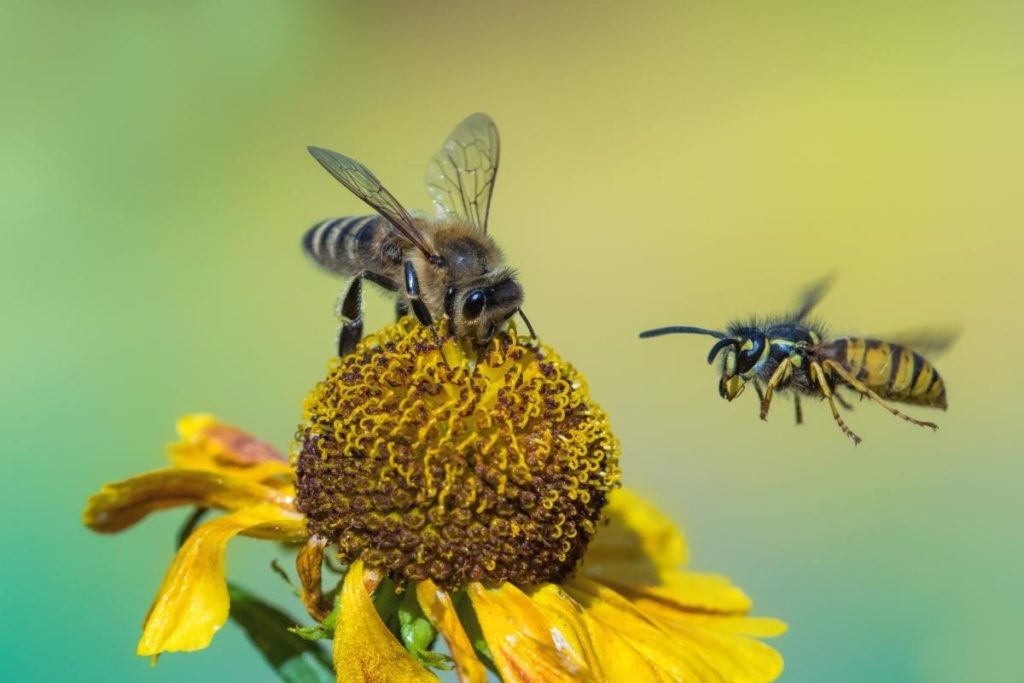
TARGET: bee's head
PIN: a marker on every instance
(479, 309)
(743, 355)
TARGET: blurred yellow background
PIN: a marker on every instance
(664, 163)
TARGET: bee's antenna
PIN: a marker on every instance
(527, 321)
(681, 330)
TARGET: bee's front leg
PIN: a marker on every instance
(412, 290)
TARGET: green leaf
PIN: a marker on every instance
(293, 659)
(418, 634)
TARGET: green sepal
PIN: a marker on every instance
(293, 659)
(418, 634)
(325, 629)
(467, 616)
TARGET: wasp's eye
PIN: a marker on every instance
(750, 353)
(474, 304)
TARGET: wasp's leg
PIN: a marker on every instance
(818, 375)
(780, 374)
(760, 390)
(309, 565)
(843, 402)
(799, 409)
(350, 311)
(865, 390)
(412, 289)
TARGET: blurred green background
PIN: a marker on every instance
(672, 162)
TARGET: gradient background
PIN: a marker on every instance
(663, 163)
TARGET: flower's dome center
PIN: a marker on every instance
(426, 467)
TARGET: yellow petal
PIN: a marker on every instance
(438, 607)
(637, 541)
(192, 603)
(520, 638)
(208, 444)
(620, 660)
(118, 505)
(686, 590)
(615, 614)
(365, 651)
(692, 651)
(567, 625)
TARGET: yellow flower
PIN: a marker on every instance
(481, 490)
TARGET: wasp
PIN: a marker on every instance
(447, 266)
(790, 353)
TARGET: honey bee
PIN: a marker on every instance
(447, 266)
(791, 354)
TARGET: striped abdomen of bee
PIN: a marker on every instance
(893, 371)
(352, 244)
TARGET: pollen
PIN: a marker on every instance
(427, 459)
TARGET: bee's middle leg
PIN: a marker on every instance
(350, 311)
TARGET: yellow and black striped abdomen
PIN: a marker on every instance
(892, 371)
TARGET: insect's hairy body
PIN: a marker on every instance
(369, 245)
(791, 354)
(893, 371)
(447, 267)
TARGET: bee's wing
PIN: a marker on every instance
(812, 295)
(927, 341)
(365, 185)
(460, 177)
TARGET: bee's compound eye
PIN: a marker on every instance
(750, 352)
(474, 304)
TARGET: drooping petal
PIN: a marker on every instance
(192, 603)
(208, 444)
(521, 640)
(636, 543)
(309, 567)
(120, 504)
(365, 651)
(438, 607)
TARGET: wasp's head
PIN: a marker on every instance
(740, 362)
(743, 355)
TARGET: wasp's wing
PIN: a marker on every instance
(927, 341)
(811, 296)
(365, 185)
(460, 177)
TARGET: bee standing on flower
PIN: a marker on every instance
(444, 267)
(790, 353)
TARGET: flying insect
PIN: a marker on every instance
(447, 266)
(792, 354)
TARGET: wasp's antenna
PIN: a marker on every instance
(681, 330)
(526, 320)
(719, 345)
